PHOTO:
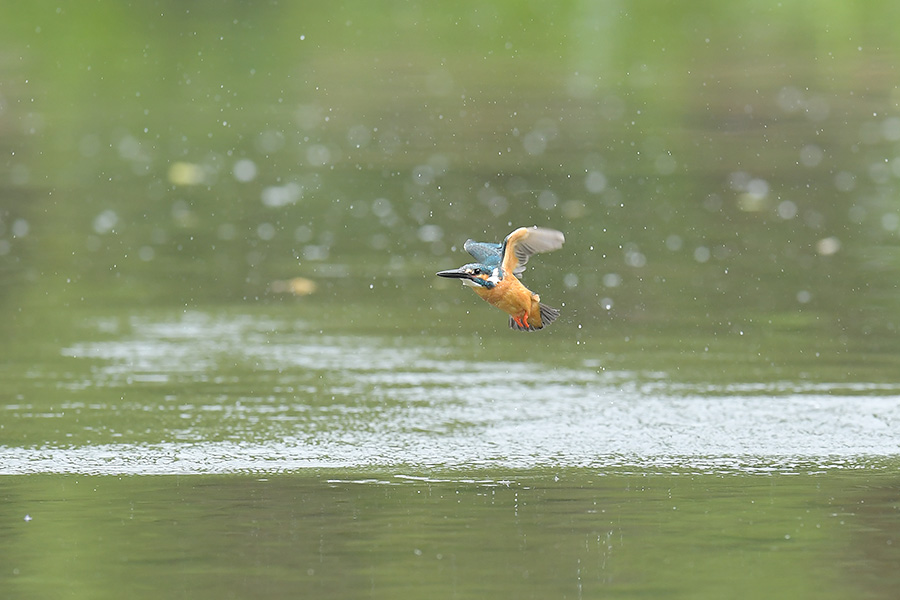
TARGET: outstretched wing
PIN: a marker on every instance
(486, 253)
(525, 241)
(489, 254)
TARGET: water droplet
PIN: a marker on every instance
(244, 170)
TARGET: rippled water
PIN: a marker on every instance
(228, 370)
(220, 394)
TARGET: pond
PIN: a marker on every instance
(229, 370)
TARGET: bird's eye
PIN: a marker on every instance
(476, 272)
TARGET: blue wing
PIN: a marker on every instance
(486, 253)
(489, 254)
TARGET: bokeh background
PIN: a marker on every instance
(228, 369)
(723, 173)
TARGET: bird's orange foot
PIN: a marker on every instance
(522, 321)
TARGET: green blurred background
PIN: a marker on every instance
(718, 168)
(220, 222)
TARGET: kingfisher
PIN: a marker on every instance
(495, 275)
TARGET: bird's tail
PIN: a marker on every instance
(548, 314)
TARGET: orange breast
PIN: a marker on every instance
(513, 298)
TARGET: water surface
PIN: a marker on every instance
(249, 392)
(228, 370)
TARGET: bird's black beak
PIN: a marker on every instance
(454, 274)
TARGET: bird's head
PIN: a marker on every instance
(474, 275)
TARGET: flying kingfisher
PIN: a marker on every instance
(495, 277)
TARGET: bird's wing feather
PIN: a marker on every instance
(486, 253)
(525, 241)
(489, 254)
